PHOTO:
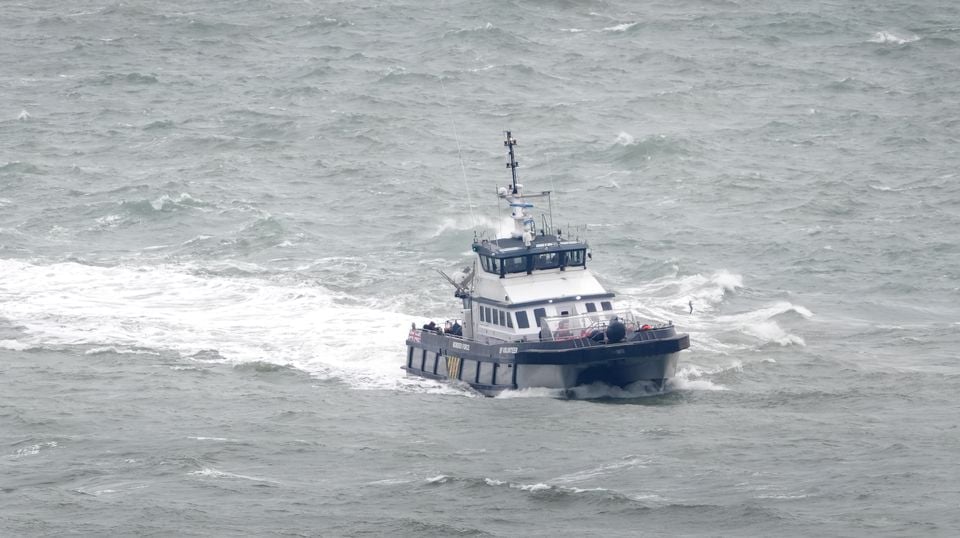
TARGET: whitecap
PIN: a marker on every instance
(531, 487)
(209, 472)
(886, 37)
(621, 27)
(13, 345)
(624, 139)
(34, 449)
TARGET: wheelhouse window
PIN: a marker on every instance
(591, 307)
(576, 257)
(483, 314)
(606, 305)
(548, 260)
(517, 264)
(503, 320)
(522, 321)
(538, 314)
(489, 264)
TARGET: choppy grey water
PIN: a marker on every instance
(218, 219)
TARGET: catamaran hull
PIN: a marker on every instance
(491, 369)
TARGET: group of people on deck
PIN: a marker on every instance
(449, 327)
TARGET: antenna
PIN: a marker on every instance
(513, 164)
(463, 170)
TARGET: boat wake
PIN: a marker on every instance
(223, 318)
(206, 319)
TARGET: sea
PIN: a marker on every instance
(219, 219)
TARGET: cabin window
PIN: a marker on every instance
(539, 313)
(606, 305)
(591, 307)
(503, 318)
(522, 322)
(510, 319)
(515, 265)
(483, 317)
(576, 257)
(489, 312)
(549, 260)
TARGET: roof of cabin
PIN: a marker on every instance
(510, 247)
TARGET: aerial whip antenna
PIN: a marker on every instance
(463, 170)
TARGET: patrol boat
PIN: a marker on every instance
(533, 315)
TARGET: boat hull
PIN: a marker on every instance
(493, 368)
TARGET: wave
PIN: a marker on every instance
(34, 449)
(15, 345)
(163, 204)
(19, 167)
(626, 148)
(761, 325)
(128, 78)
(501, 227)
(671, 297)
(887, 38)
(119, 351)
(209, 472)
(240, 320)
(546, 491)
(621, 27)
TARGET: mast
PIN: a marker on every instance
(524, 226)
(512, 165)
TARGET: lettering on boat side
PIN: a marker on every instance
(506, 350)
(460, 345)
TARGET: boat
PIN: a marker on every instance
(532, 315)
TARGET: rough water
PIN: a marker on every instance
(218, 220)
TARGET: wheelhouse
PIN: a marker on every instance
(509, 256)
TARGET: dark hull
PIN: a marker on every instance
(490, 369)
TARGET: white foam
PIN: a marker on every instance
(608, 468)
(621, 27)
(760, 325)
(501, 227)
(692, 377)
(33, 450)
(886, 37)
(14, 345)
(624, 139)
(539, 392)
(118, 351)
(530, 487)
(209, 472)
(243, 319)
